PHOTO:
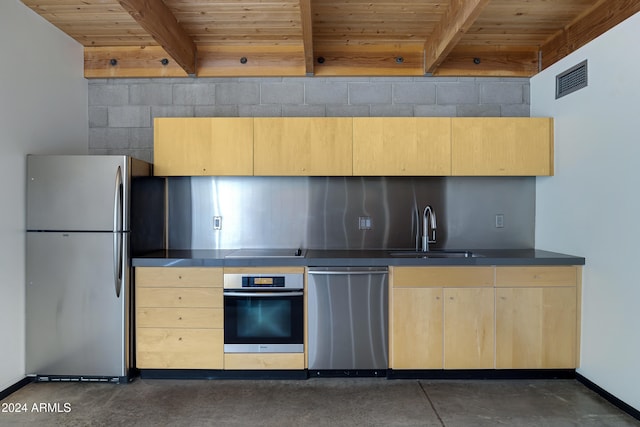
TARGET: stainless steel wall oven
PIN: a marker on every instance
(264, 313)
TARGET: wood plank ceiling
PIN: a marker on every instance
(156, 38)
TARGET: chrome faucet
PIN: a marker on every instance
(428, 228)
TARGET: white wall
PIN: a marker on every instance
(43, 109)
(591, 207)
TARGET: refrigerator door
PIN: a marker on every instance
(78, 193)
(76, 306)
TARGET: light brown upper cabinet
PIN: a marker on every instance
(410, 146)
(203, 146)
(502, 146)
(359, 146)
(306, 146)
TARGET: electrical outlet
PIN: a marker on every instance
(364, 223)
(217, 223)
(499, 220)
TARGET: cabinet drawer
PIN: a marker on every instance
(187, 297)
(159, 348)
(426, 277)
(151, 317)
(264, 361)
(536, 276)
(189, 277)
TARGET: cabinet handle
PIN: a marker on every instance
(179, 338)
(179, 277)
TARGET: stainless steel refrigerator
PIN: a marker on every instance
(86, 216)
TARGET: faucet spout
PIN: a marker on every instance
(428, 227)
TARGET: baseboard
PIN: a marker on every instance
(609, 397)
(481, 374)
(17, 386)
(215, 374)
(346, 373)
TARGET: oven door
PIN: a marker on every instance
(263, 322)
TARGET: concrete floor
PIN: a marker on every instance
(315, 402)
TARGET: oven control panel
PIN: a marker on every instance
(270, 280)
(263, 282)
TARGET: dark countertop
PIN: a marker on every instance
(352, 258)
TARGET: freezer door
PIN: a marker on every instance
(76, 309)
(78, 193)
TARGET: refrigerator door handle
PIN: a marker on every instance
(117, 233)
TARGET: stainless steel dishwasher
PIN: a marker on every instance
(347, 315)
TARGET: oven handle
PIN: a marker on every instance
(263, 294)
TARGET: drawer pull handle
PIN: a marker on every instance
(180, 339)
(180, 318)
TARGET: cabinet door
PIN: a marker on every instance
(410, 146)
(536, 327)
(203, 146)
(305, 146)
(502, 146)
(468, 328)
(416, 328)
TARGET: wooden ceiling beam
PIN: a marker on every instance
(604, 15)
(307, 35)
(129, 61)
(381, 59)
(158, 20)
(458, 18)
(251, 61)
(495, 61)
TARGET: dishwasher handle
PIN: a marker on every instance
(349, 271)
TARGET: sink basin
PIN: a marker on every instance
(433, 254)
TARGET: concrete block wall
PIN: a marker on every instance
(121, 111)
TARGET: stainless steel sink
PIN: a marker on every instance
(434, 254)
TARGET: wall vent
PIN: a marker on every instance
(571, 80)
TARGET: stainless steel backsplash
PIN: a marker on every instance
(323, 212)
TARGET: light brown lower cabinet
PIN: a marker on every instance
(442, 317)
(468, 328)
(416, 328)
(537, 317)
(177, 348)
(179, 318)
(484, 317)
